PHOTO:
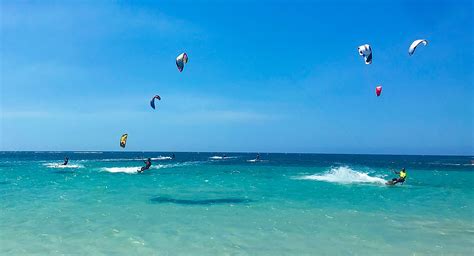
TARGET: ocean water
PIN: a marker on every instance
(204, 204)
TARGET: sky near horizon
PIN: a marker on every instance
(266, 76)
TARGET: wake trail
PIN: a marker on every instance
(344, 175)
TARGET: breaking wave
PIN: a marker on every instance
(60, 166)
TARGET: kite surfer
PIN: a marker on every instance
(66, 160)
(402, 175)
(147, 165)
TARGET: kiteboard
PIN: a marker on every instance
(392, 183)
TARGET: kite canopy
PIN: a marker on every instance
(378, 90)
(181, 60)
(152, 102)
(366, 52)
(123, 140)
(415, 44)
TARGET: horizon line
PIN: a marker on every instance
(235, 152)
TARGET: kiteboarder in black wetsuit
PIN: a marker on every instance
(147, 165)
(66, 160)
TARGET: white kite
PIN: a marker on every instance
(415, 44)
(366, 52)
(181, 60)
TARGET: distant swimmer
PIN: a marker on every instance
(173, 156)
(66, 160)
(147, 165)
(257, 159)
(402, 176)
(224, 156)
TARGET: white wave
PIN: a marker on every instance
(154, 166)
(61, 166)
(222, 157)
(163, 166)
(257, 161)
(130, 170)
(161, 158)
(116, 159)
(344, 175)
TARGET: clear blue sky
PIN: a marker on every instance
(271, 76)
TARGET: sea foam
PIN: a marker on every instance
(129, 170)
(132, 170)
(61, 166)
(345, 175)
(222, 157)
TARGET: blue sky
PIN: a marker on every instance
(267, 76)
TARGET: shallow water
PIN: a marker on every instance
(206, 204)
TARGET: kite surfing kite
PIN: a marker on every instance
(378, 90)
(366, 52)
(181, 60)
(152, 102)
(415, 44)
(123, 140)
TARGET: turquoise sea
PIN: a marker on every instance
(204, 204)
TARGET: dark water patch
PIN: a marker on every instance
(230, 200)
(4, 182)
(64, 172)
